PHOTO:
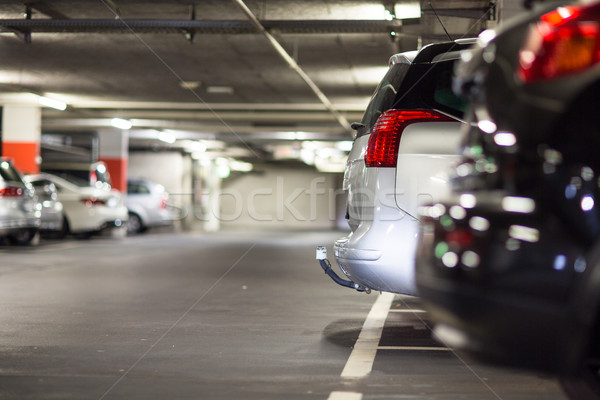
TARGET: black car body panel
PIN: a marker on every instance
(530, 300)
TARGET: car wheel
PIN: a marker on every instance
(23, 237)
(134, 224)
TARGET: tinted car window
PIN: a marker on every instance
(385, 94)
(429, 86)
(8, 173)
(137, 188)
(79, 178)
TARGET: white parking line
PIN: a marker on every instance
(360, 362)
(409, 310)
(414, 348)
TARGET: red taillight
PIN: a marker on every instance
(92, 201)
(11, 192)
(382, 150)
(564, 41)
(93, 178)
(163, 201)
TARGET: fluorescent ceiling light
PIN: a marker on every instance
(121, 123)
(345, 145)
(408, 10)
(242, 166)
(52, 103)
(189, 85)
(220, 89)
(166, 137)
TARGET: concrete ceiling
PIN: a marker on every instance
(203, 70)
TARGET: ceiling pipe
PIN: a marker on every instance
(65, 25)
(294, 65)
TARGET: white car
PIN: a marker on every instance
(147, 202)
(20, 217)
(409, 136)
(86, 209)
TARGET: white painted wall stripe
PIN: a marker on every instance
(360, 362)
(345, 396)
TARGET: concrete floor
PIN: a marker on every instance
(220, 316)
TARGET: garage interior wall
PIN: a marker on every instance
(280, 198)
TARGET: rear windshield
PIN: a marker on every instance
(430, 86)
(385, 94)
(79, 178)
(137, 188)
(415, 86)
(8, 173)
(83, 177)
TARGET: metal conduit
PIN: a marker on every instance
(294, 65)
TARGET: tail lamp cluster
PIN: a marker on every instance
(384, 142)
(163, 201)
(564, 41)
(92, 201)
(10, 191)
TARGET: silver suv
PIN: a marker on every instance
(20, 215)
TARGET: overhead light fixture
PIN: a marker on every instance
(166, 137)
(189, 85)
(407, 10)
(121, 123)
(241, 166)
(344, 145)
(220, 89)
(52, 103)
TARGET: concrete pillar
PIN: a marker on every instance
(212, 222)
(113, 151)
(21, 136)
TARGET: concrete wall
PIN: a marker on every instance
(271, 197)
(280, 198)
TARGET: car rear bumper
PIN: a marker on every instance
(10, 225)
(380, 262)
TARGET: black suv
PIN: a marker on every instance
(509, 267)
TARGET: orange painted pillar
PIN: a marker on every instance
(113, 151)
(21, 136)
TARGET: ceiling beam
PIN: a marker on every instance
(198, 26)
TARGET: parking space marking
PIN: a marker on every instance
(345, 396)
(360, 362)
(418, 348)
(409, 310)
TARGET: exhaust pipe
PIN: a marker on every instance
(326, 265)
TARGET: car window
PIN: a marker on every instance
(100, 175)
(384, 95)
(443, 96)
(9, 173)
(429, 86)
(79, 178)
(137, 188)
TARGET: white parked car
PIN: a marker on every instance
(52, 209)
(147, 205)
(408, 137)
(19, 214)
(87, 209)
